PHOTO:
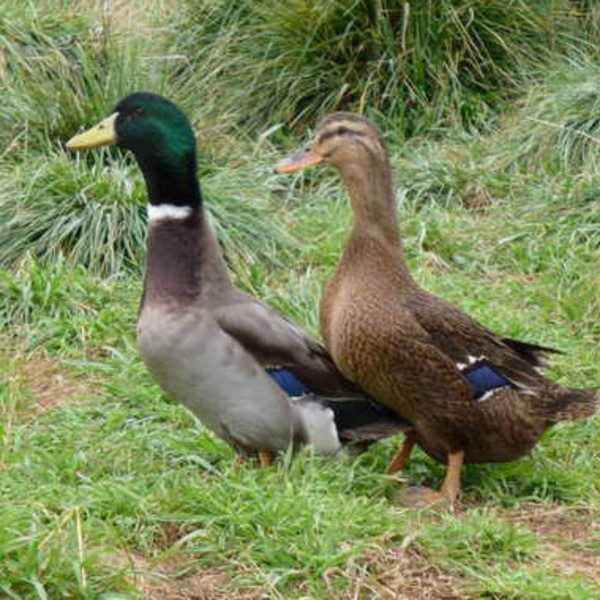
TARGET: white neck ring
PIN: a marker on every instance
(159, 212)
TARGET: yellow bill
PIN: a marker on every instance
(102, 134)
(299, 160)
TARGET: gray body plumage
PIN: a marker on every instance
(208, 371)
(196, 345)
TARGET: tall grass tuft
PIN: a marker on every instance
(88, 212)
(418, 63)
(558, 122)
(57, 76)
(588, 11)
(63, 70)
(91, 211)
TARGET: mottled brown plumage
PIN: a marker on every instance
(413, 351)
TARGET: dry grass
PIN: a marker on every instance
(399, 573)
(120, 15)
(49, 385)
(572, 538)
(174, 580)
(34, 384)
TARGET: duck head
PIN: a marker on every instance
(354, 146)
(162, 141)
(343, 140)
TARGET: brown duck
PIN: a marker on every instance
(472, 395)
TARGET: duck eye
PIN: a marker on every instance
(138, 112)
(342, 130)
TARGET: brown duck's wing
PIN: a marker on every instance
(534, 353)
(468, 343)
(432, 379)
(276, 342)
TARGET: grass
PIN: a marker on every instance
(54, 74)
(110, 490)
(559, 119)
(64, 74)
(420, 65)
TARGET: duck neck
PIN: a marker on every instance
(370, 188)
(171, 178)
(184, 259)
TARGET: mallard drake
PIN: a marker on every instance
(230, 359)
(472, 395)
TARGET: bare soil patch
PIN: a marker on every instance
(569, 536)
(50, 385)
(177, 579)
(398, 573)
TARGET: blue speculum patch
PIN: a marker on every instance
(288, 382)
(481, 376)
(484, 378)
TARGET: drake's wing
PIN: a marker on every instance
(277, 342)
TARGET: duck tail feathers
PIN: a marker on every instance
(571, 404)
(314, 424)
(362, 420)
(534, 354)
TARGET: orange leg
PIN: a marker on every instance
(265, 458)
(424, 497)
(399, 461)
(451, 485)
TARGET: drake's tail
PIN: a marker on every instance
(325, 423)
(570, 404)
(362, 420)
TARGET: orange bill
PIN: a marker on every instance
(299, 160)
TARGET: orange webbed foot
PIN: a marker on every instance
(422, 497)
